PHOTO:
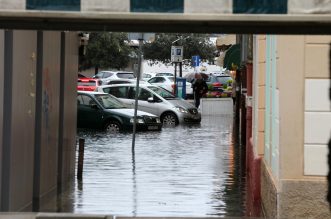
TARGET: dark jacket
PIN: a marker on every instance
(200, 87)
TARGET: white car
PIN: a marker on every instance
(167, 82)
(157, 101)
(125, 81)
(106, 76)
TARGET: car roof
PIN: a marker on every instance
(128, 85)
(90, 92)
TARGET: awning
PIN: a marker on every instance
(232, 57)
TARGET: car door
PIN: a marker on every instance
(121, 92)
(88, 115)
(144, 105)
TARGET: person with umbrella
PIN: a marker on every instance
(200, 88)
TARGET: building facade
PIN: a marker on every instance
(37, 117)
(291, 124)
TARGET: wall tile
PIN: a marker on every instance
(261, 97)
(315, 160)
(261, 68)
(208, 6)
(317, 61)
(261, 143)
(262, 50)
(317, 95)
(261, 119)
(317, 127)
(105, 5)
(318, 39)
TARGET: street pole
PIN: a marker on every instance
(136, 95)
(175, 90)
(180, 69)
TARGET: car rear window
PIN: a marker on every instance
(223, 79)
(128, 75)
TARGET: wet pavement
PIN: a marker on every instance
(183, 171)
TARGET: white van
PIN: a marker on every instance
(155, 100)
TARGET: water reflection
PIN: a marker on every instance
(192, 170)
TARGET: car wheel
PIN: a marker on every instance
(169, 119)
(113, 127)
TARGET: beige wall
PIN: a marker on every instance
(23, 119)
(1, 100)
(305, 124)
(21, 134)
(70, 105)
(260, 86)
(291, 85)
(317, 117)
(50, 116)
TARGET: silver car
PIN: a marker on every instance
(155, 100)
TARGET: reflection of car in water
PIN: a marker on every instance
(155, 100)
(103, 111)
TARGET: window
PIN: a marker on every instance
(128, 75)
(132, 93)
(144, 94)
(119, 92)
(85, 100)
(107, 74)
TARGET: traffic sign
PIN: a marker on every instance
(176, 53)
(195, 61)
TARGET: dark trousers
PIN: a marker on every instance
(197, 97)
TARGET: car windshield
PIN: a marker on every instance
(109, 102)
(162, 92)
(99, 75)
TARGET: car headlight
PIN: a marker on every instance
(181, 109)
(139, 120)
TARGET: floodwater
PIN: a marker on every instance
(188, 170)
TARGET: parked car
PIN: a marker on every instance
(104, 111)
(219, 82)
(155, 100)
(219, 85)
(146, 76)
(167, 82)
(81, 75)
(88, 84)
(164, 74)
(125, 81)
(106, 76)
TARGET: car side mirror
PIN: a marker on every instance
(150, 100)
(94, 106)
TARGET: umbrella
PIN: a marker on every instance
(194, 75)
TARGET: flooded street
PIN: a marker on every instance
(181, 171)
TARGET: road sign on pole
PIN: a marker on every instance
(195, 61)
(176, 53)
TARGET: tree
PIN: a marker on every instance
(106, 50)
(194, 44)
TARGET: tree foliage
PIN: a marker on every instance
(194, 44)
(107, 50)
